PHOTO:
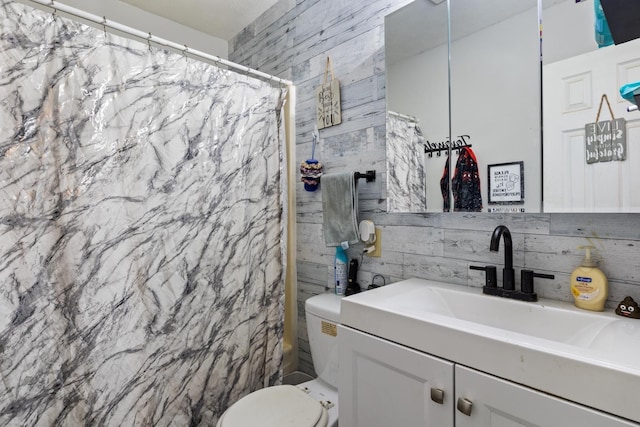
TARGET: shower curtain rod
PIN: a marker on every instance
(403, 116)
(104, 22)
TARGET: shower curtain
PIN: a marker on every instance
(406, 187)
(142, 230)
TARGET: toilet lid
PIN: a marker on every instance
(283, 405)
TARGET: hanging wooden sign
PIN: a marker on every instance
(606, 140)
(328, 111)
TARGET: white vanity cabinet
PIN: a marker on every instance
(385, 384)
(499, 403)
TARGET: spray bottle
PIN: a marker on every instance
(340, 271)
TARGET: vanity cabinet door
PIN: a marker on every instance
(383, 384)
(483, 400)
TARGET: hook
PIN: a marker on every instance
(149, 41)
(104, 25)
(375, 276)
(55, 10)
(184, 51)
(370, 176)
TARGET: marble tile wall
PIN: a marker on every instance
(293, 41)
(141, 221)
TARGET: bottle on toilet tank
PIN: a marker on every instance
(341, 270)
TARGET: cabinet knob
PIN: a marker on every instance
(465, 406)
(437, 395)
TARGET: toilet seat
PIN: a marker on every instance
(277, 406)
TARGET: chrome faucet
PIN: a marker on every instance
(508, 274)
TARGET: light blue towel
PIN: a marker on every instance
(630, 90)
(339, 208)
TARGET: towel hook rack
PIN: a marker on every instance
(370, 176)
(456, 147)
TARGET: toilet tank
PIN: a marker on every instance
(323, 314)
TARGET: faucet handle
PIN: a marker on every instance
(491, 275)
(526, 280)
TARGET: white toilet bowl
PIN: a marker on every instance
(310, 404)
(283, 405)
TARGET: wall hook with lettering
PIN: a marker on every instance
(438, 147)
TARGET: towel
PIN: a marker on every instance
(339, 208)
(465, 182)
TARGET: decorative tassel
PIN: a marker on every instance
(311, 169)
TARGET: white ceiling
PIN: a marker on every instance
(219, 18)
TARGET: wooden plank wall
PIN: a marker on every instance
(292, 40)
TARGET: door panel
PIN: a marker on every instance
(572, 89)
(499, 403)
(383, 384)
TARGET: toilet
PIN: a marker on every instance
(310, 404)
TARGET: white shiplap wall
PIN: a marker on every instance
(292, 41)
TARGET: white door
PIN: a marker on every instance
(572, 90)
(492, 402)
(382, 384)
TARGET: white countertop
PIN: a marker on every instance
(589, 358)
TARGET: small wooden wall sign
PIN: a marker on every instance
(606, 140)
(328, 111)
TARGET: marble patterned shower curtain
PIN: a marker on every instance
(141, 218)
(406, 191)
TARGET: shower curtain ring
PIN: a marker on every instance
(184, 51)
(55, 10)
(149, 41)
(104, 25)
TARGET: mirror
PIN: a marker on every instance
(589, 167)
(416, 56)
(490, 100)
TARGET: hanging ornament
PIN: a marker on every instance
(311, 169)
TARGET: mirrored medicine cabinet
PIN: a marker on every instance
(471, 73)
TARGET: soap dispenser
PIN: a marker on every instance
(589, 284)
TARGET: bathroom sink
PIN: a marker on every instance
(549, 345)
(560, 324)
